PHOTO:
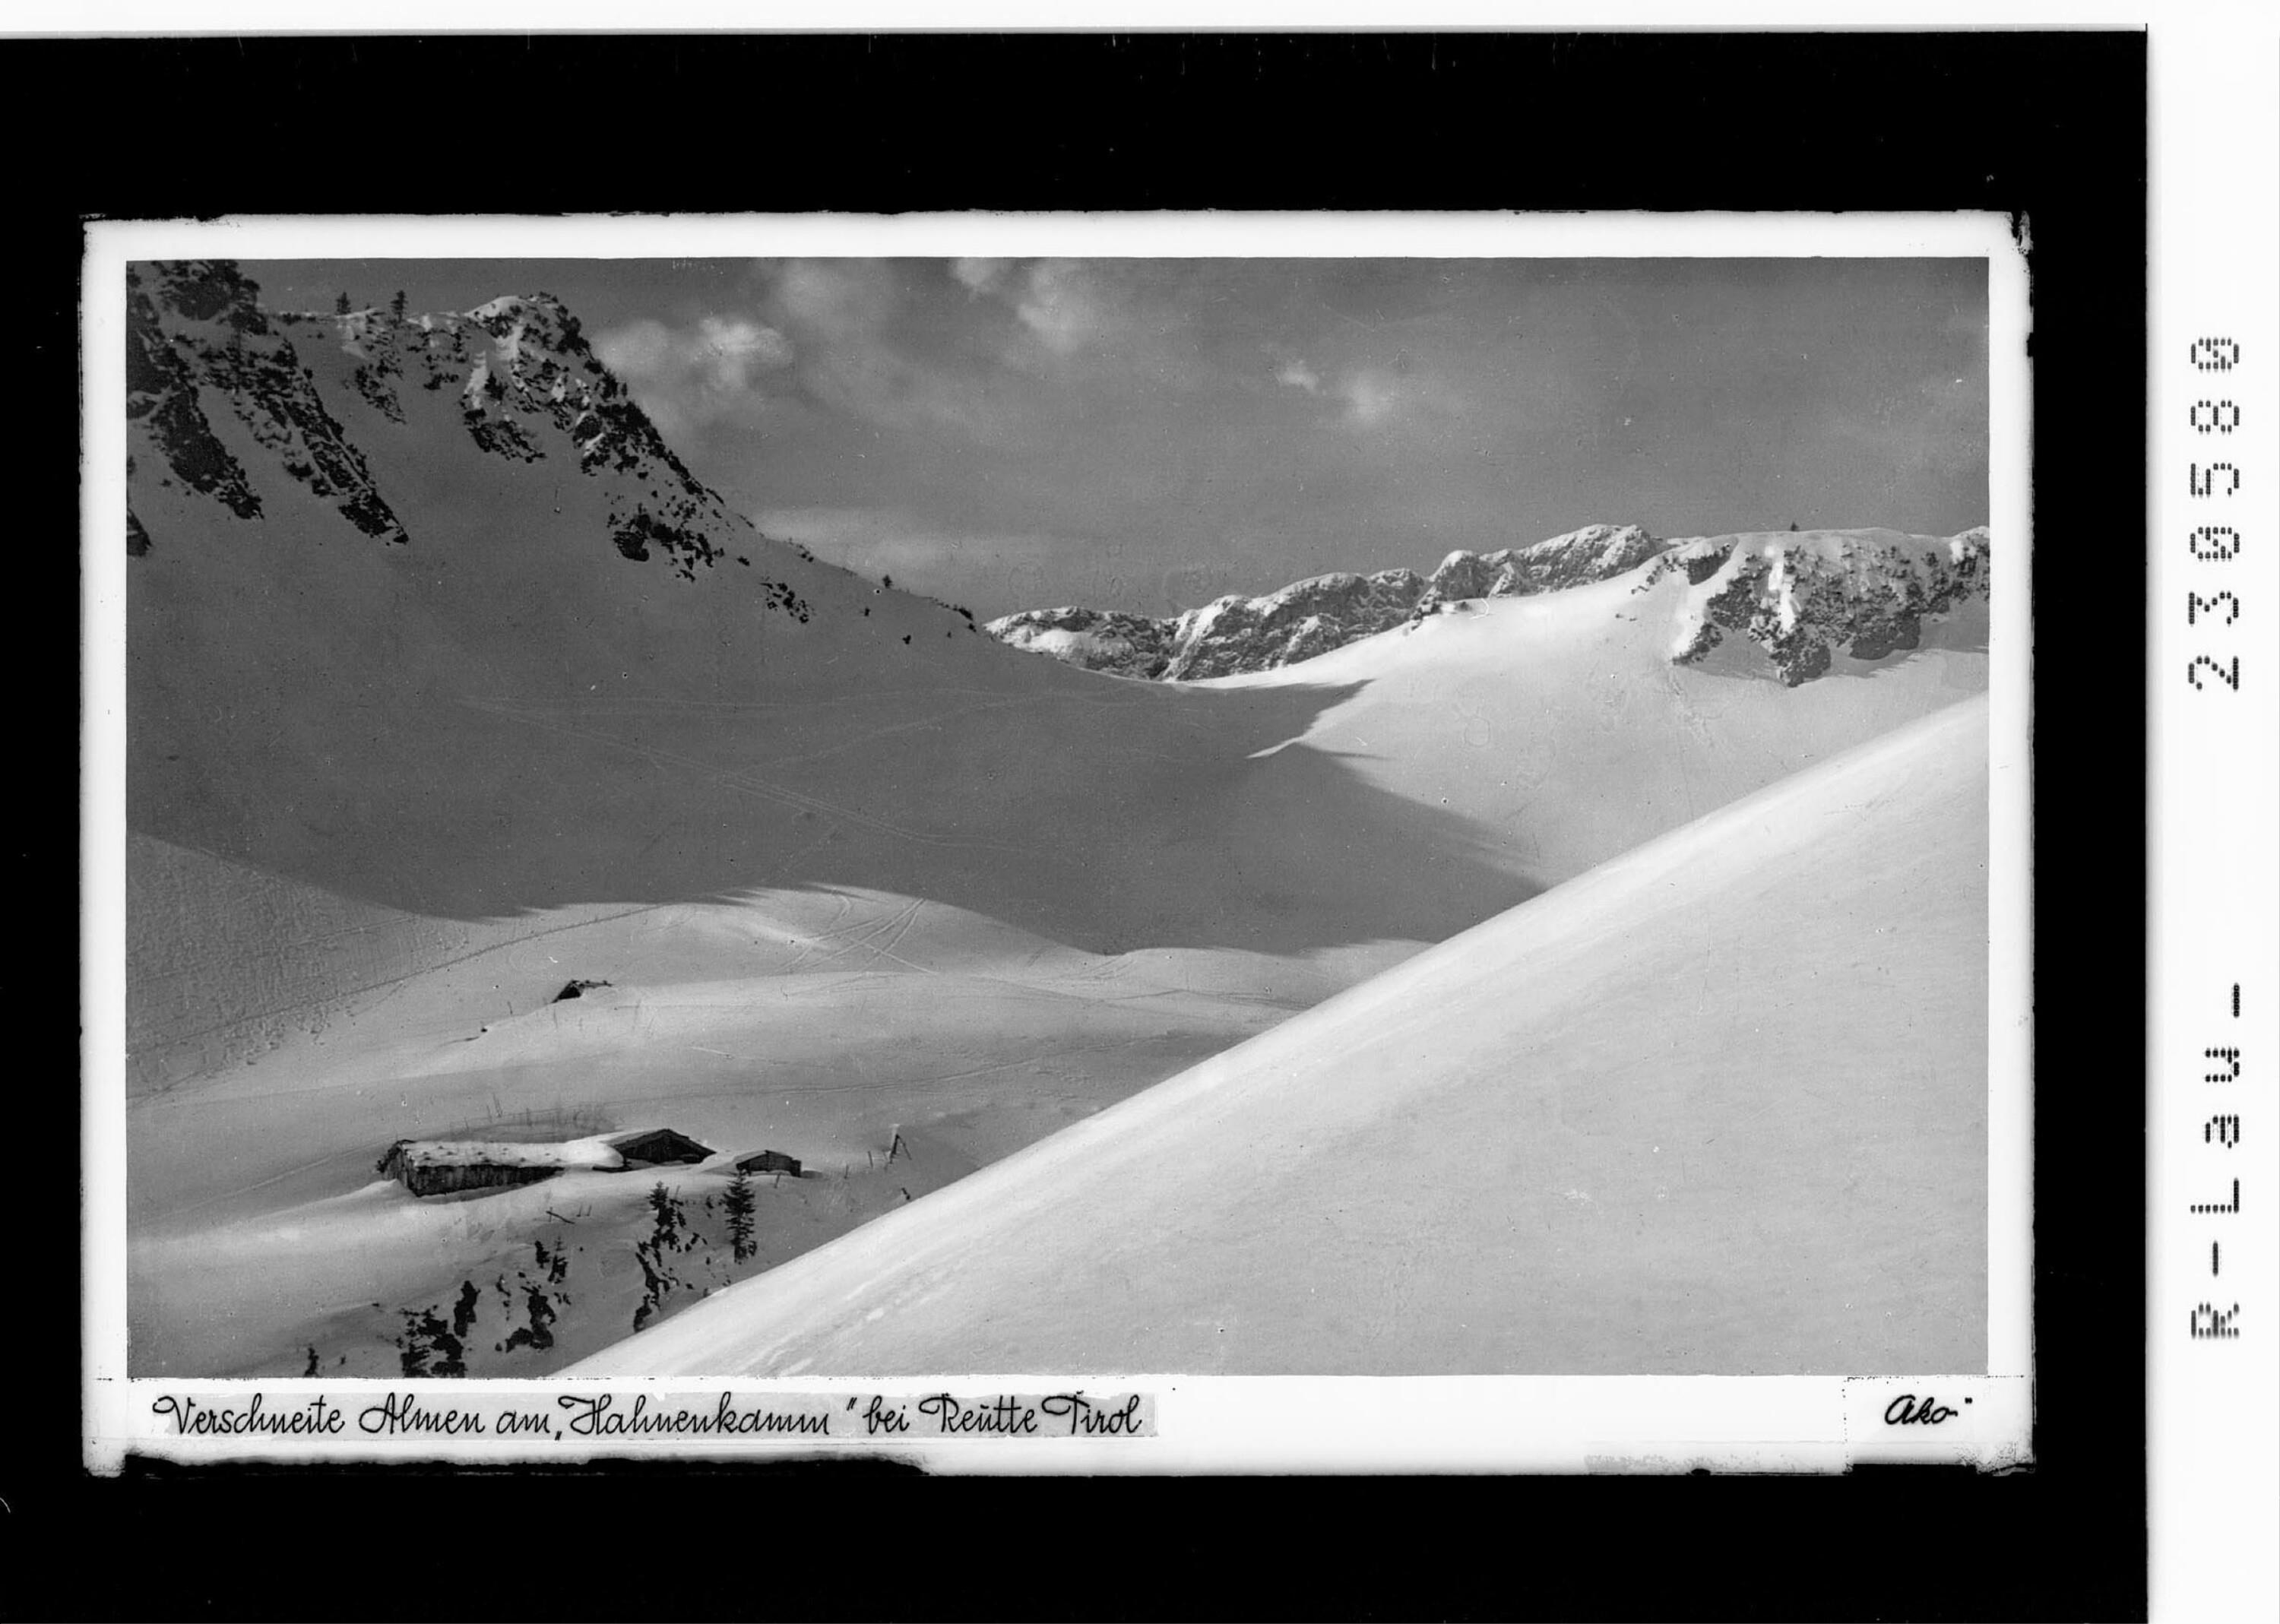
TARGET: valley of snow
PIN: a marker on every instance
(1716, 1106)
(847, 866)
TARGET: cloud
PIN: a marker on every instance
(735, 345)
(1063, 306)
(835, 299)
(1373, 396)
(980, 276)
(1297, 376)
(685, 375)
(1370, 396)
(869, 340)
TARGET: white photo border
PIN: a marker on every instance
(1498, 1424)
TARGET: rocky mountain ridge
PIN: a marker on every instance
(1800, 597)
(1311, 617)
(517, 373)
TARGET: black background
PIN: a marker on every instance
(2047, 127)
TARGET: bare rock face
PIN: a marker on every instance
(196, 333)
(1232, 634)
(1307, 617)
(1596, 552)
(1127, 646)
(516, 377)
(1803, 597)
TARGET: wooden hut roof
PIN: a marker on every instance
(656, 1143)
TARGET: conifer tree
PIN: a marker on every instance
(740, 1217)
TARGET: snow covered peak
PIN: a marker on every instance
(1802, 596)
(512, 379)
(1230, 635)
(196, 331)
(1596, 552)
(1296, 622)
(1303, 619)
(1127, 646)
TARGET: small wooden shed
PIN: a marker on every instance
(770, 1161)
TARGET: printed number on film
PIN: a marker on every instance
(2214, 543)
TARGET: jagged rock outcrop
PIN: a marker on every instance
(196, 331)
(516, 376)
(1305, 618)
(1237, 633)
(1596, 552)
(1804, 596)
(1128, 646)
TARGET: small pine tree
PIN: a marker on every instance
(739, 1201)
(340, 305)
(395, 305)
(669, 1226)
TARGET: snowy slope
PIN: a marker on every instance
(1717, 1106)
(1560, 728)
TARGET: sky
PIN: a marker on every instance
(1148, 435)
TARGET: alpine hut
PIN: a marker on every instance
(448, 1166)
(770, 1161)
(655, 1147)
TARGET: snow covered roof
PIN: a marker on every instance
(597, 1153)
(611, 1152)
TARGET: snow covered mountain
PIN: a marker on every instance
(516, 374)
(1789, 593)
(1307, 617)
(1804, 598)
(1128, 645)
(1596, 552)
(371, 554)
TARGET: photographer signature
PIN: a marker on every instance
(1907, 1411)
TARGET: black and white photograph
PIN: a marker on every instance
(866, 815)
(935, 815)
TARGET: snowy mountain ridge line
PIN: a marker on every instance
(516, 374)
(1798, 596)
(1237, 633)
(1801, 597)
